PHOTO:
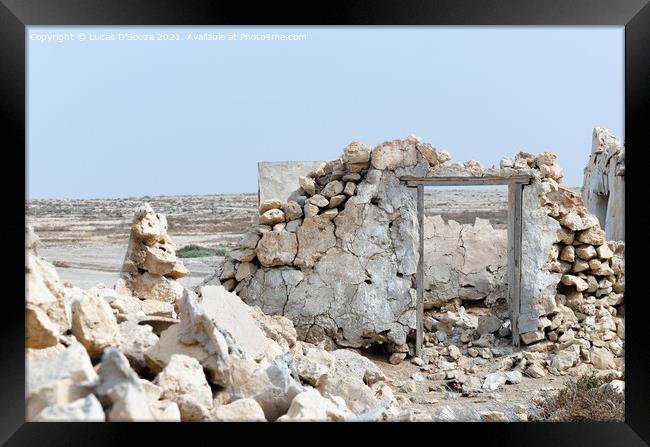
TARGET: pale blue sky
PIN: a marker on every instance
(132, 118)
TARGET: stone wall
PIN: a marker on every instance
(339, 257)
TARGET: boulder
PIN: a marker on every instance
(121, 387)
(94, 324)
(45, 366)
(351, 364)
(183, 376)
(134, 341)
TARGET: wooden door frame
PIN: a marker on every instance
(515, 192)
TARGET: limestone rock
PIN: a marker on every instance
(242, 410)
(311, 406)
(277, 248)
(332, 189)
(48, 365)
(245, 270)
(310, 210)
(94, 324)
(337, 200)
(183, 377)
(272, 204)
(292, 210)
(135, 340)
(231, 314)
(349, 189)
(243, 255)
(350, 364)
(317, 200)
(308, 185)
(87, 409)
(602, 358)
(394, 154)
(122, 387)
(593, 236)
(272, 217)
(356, 152)
(40, 331)
(488, 324)
(314, 238)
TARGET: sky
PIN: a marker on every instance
(129, 117)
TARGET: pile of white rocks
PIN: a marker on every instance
(135, 354)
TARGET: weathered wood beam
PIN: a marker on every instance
(458, 181)
(419, 309)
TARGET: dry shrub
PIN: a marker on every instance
(582, 400)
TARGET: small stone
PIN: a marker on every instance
(593, 236)
(417, 361)
(329, 214)
(270, 205)
(292, 210)
(488, 324)
(396, 358)
(272, 217)
(579, 283)
(579, 266)
(308, 185)
(318, 200)
(352, 177)
(356, 152)
(604, 252)
(310, 210)
(241, 410)
(349, 189)
(568, 253)
(586, 252)
(531, 337)
(337, 200)
(454, 352)
(535, 371)
(332, 189)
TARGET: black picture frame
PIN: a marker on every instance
(16, 15)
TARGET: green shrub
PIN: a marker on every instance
(195, 251)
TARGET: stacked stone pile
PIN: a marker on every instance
(107, 355)
(150, 268)
(582, 319)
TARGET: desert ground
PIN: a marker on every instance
(87, 239)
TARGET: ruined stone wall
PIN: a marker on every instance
(340, 257)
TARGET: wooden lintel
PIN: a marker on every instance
(457, 181)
